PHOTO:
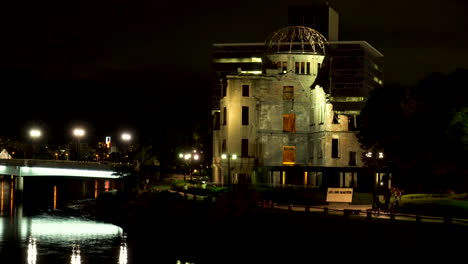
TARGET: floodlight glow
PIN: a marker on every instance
(196, 157)
(234, 156)
(35, 133)
(223, 156)
(41, 171)
(181, 155)
(79, 132)
(126, 136)
(187, 156)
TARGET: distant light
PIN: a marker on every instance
(251, 72)
(187, 156)
(35, 133)
(126, 136)
(223, 156)
(380, 155)
(369, 154)
(79, 132)
(196, 157)
(181, 155)
(234, 156)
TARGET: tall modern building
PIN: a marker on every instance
(322, 18)
(288, 109)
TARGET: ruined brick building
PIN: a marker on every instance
(286, 111)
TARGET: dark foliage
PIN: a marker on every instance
(421, 129)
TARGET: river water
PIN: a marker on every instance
(46, 234)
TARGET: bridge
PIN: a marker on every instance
(63, 168)
(18, 170)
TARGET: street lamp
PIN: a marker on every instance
(126, 137)
(79, 132)
(229, 157)
(35, 133)
(188, 157)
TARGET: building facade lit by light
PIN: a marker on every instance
(296, 122)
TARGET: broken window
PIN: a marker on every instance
(336, 119)
(289, 123)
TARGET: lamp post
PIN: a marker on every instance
(34, 133)
(79, 132)
(188, 157)
(126, 137)
(229, 157)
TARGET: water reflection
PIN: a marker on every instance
(75, 257)
(32, 251)
(67, 228)
(123, 252)
(54, 239)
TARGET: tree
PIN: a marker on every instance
(422, 129)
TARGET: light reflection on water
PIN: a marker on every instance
(50, 239)
(46, 237)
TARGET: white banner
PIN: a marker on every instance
(343, 195)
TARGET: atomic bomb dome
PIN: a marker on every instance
(296, 39)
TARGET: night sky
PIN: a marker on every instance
(145, 65)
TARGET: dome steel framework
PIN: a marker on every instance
(296, 39)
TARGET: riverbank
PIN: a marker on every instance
(234, 228)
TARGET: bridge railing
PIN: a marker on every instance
(58, 164)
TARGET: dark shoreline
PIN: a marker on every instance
(207, 231)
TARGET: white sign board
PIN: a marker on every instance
(341, 195)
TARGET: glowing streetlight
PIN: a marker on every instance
(79, 133)
(126, 137)
(35, 134)
(188, 158)
(229, 157)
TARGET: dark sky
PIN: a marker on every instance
(145, 64)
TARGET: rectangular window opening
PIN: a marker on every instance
(336, 119)
(334, 148)
(245, 90)
(352, 158)
(245, 148)
(289, 123)
(289, 155)
(245, 115)
(288, 92)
